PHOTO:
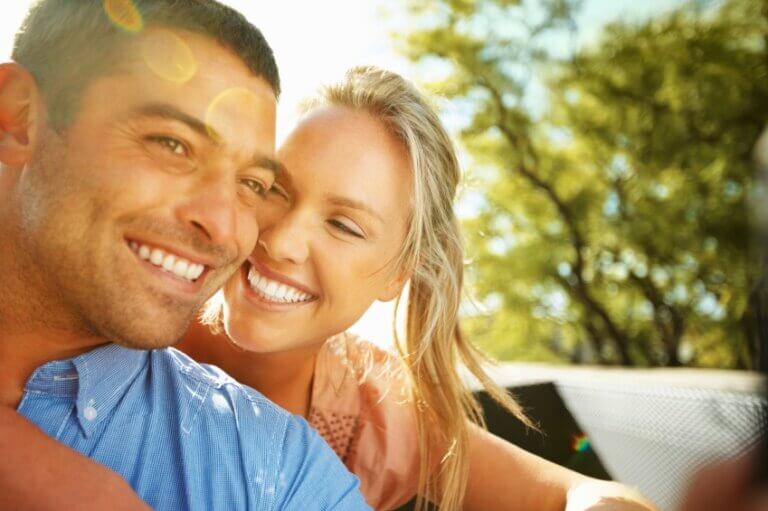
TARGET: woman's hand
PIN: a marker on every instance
(38, 473)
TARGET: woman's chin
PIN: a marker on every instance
(245, 341)
(255, 339)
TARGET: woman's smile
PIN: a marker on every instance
(272, 290)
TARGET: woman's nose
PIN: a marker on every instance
(285, 240)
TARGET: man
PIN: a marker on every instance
(136, 141)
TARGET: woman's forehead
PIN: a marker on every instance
(345, 140)
(340, 152)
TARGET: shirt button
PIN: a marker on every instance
(90, 413)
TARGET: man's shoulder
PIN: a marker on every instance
(212, 380)
(236, 428)
(218, 407)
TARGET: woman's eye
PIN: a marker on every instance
(169, 143)
(344, 228)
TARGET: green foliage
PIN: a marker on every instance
(612, 226)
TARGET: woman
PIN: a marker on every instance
(365, 206)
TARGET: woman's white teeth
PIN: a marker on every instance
(275, 291)
(170, 263)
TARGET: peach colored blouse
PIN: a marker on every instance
(362, 407)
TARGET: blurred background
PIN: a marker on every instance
(608, 174)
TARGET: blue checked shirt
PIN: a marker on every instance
(185, 435)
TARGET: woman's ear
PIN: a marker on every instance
(395, 286)
(19, 115)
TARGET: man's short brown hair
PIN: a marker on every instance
(66, 44)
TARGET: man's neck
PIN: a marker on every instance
(33, 328)
(285, 378)
(24, 350)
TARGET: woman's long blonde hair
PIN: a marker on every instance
(433, 348)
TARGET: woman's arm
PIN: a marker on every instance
(38, 473)
(503, 476)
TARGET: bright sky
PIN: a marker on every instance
(316, 41)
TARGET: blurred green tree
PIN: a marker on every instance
(607, 186)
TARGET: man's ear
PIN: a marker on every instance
(395, 286)
(20, 110)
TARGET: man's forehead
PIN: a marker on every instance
(177, 57)
(196, 75)
(168, 55)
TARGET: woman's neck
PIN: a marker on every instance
(285, 377)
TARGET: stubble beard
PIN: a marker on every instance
(77, 280)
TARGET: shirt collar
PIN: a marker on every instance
(97, 380)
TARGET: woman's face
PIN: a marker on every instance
(329, 235)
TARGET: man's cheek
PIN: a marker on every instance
(248, 235)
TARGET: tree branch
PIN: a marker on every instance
(668, 320)
(583, 294)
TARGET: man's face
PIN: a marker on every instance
(145, 204)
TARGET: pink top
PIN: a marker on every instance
(362, 407)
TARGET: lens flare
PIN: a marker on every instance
(581, 443)
(124, 15)
(168, 56)
(222, 110)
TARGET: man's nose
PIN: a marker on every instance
(213, 211)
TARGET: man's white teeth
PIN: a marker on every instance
(156, 257)
(275, 291)
(170, 263)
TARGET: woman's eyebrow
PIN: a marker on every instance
(348, 202)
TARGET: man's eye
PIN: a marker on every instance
(171, 144)
(256, 186)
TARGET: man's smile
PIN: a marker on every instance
(182, 269)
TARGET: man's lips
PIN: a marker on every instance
(180, 266)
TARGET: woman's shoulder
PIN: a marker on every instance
(365, 358)
(362, 406)
(351, 370)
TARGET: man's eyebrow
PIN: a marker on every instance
(170, 112)
(347, 202)
(265, 162)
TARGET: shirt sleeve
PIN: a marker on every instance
(312, 476)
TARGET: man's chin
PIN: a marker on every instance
(144, 344)
(149, 335)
